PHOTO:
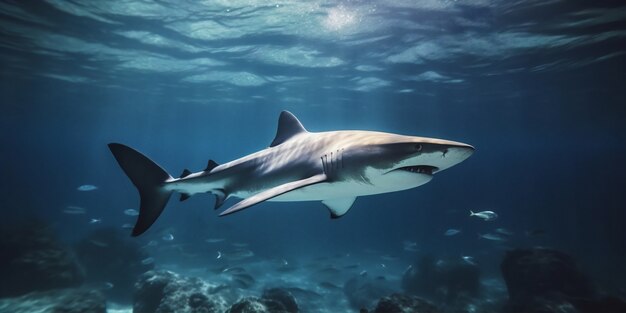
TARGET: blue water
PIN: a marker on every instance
(536, 86)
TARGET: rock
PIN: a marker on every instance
(165, 291)
(548, 281)
(446, 282)
(249, 305)
(400, 303)
(274, 300)
(109, 255)
(540, 272)
(56, 301)
(282, 296)
(363, 291)
(34, 260)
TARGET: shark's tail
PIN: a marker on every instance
(472, 213)
(149, 179)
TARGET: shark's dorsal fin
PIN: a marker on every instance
(185, 173)
(338, 207)
(211, 165)
(288, 126)
(274, 192)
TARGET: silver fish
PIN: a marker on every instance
(468, 259)
(504, 231)
(452, 232)
(131, 212)
(147, 261)
(86, 188)
(485, 215)
(71, 209)
(494, 237)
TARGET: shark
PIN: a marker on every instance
(334, 167)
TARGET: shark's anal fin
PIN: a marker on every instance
(274, 192)
(338, 207)
(184, 196)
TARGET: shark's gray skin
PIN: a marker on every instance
(333, 167)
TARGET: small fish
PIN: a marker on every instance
(363, 273)
(127, 226)
(214, 240)
(95, 221)
(410, 246)
(168, 237)
(504, 231)
(452, 232)
(152, 243)
(86, 188)
(285, 263)
(236, 269)
(485, 215)
(235, 255)
(469, 260)
(240, 244)
(108, 285)
(383, 265)
(147, 261)
(71, 209)
(131, 212)
(494, 237)
(100, 244)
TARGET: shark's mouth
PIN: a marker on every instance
(419, 169)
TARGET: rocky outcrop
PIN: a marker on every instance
(400, 303)
(531, 273)
(363, 291)
(34, 260)
(446, 281)
(274, 300)
(549, 281)
(165, 291)
(281, 299)
(108, 255)
(56, 301)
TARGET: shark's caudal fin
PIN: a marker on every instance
(148, 177)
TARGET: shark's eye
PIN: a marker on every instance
(418, 147)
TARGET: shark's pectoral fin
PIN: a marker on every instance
(338, 207)
(274, 192)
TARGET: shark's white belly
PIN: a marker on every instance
(349, 188)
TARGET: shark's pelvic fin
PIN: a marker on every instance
(288, 126)
(338, 207)
(220, 197)
(184, 196)
(274, 192)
